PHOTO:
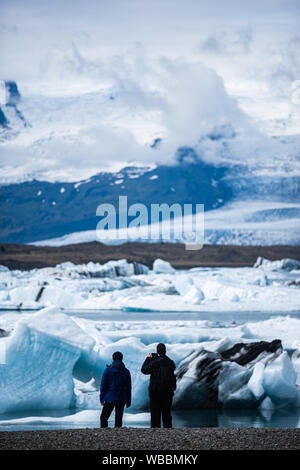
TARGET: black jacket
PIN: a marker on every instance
(155, 366)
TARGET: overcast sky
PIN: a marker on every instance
(163, 54)
(37, 36)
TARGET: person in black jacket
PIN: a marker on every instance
(162, 385)
(115, 390)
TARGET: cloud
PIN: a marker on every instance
(228, 42)
(101, 80)
(183, 103)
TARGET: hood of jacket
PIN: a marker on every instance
(118, 364)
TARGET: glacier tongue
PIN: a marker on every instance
(40, 356)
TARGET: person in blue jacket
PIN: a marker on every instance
(115, 390)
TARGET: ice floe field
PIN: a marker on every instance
(234, 334)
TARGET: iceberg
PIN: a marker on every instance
(287, 264)
(162, 267)
(40, 357)
(245, 376)
(191, 293)
(55, 361)
(279, 382)
(120, 285)
(194, 296)
(80, 419)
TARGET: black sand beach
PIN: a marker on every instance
(153, 439)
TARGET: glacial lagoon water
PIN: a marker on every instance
(226, 418)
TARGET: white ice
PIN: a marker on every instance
(270, 286)
(55, 361)
(40, 356)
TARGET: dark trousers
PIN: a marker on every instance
(160, 407)
(106, 412)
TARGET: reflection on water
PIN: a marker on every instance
(237, 418)
(181, 419)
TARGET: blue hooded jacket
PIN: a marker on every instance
(116, 384)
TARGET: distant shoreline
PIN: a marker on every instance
(26, 257)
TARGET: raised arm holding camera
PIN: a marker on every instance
(162, 386)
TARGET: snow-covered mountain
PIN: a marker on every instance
(249, 183)
(245, 210)
(37, 210)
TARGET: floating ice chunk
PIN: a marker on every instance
(287, 264)
(40, 357)
(246, 332)
(81, 419)
(62, 297)
(261, 280)
(25, 295)
(4, 295)
(66, 265)
(222, 290)
(234, 298)
(123, 268)
(186, 287)
(279, 382)
(237, 377)
(137, 309)
(255, 382)
(211, 288)
(230, 293)
(3, 268)
(194, 296)
(183, 284)
(111, 269)
(58, 325)
(82, 286)
(162, 267)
